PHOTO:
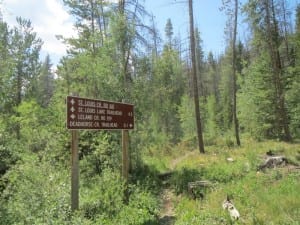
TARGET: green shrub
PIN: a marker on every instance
(36, 193)
(146, 176)
(98, 151)
(103, 201)
(102, 195)
(141, 210)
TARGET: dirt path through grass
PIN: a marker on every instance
(176, 161)
(167, 215)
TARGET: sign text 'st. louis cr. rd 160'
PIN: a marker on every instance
(93, 114)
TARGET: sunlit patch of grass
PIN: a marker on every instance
(270, 197)
(257, 197)
(193, 160)
(157, 163)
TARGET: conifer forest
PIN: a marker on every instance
(209, 129)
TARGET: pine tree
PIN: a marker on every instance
(202, 81)
(264, 23)
(169, 32)
(232, 14)
(293, 94)
(24, 48)
(5, 66)
(45, 83)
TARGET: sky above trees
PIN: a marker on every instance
(51, 18)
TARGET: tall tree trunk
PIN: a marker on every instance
(95, 90)
(155, 38)
(195, 83)
(234, 63)
(125, 50)
(286, 32)
(93, 26)
(18, 99)
(273, 45)
(125, 53)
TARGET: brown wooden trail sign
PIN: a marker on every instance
(94, 114)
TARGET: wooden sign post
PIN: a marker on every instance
(125, 154)
(125, 161)
(74, 171)
(93, 114)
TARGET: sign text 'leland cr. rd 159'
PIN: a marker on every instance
(93, 114)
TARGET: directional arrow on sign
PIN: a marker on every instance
(94, 114)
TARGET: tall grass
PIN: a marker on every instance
(270, 197)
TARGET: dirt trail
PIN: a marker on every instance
(167, 215)
(176, 161)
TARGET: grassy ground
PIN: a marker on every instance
(262, 197)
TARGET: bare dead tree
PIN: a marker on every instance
(235, 119)
(195, 82)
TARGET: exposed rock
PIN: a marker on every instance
(230, 159)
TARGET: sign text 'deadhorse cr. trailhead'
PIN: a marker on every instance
(93, 114)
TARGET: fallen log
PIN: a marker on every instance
(165, 175)
(197, 188)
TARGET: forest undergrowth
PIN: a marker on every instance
(247, 91)
(261, 197)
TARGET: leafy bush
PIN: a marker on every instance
(146, 177)
(7, 159)
(187, 118)
(8, 150)
(98, 151)
(102, 195)
(103, 201)
(36, 193)
(141, 210)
